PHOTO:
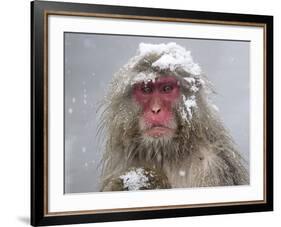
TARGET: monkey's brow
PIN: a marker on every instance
(160, 83)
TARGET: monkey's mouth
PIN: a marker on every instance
(158, 131)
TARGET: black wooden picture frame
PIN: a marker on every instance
(40, 11)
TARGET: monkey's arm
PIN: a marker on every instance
(137, 179)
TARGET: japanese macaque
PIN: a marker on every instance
(161, 129)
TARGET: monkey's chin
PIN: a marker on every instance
(158, 132)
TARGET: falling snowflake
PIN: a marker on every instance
(182, 173)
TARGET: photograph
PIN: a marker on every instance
(155, 113)
(143, 113)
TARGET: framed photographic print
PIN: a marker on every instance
(142, 113)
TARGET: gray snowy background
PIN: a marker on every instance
(90, 62)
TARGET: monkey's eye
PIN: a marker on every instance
(167, 88)
(146, 89)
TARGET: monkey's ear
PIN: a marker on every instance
(192, 84)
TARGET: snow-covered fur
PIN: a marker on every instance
(201, 153)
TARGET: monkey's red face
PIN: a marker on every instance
(157, 100)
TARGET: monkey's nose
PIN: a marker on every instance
(156, 109)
